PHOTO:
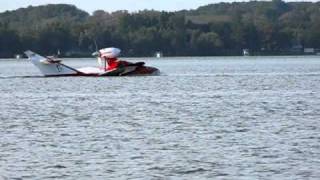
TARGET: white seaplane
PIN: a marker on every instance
(51, 67)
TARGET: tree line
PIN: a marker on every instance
(273, 27)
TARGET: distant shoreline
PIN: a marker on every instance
(168, 57)
(223, 29)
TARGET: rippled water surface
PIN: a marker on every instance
(202, 118)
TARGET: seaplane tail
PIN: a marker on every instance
(51, 67)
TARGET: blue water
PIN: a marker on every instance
(202, 118)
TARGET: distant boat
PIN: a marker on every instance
(246, 52)
(159, 54)
(18, 56)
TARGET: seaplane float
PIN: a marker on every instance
(52, 67)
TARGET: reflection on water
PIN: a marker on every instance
(203, 118)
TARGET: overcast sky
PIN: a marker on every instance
(108, 5)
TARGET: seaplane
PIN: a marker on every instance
(52, 67)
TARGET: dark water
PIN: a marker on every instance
(203, 118)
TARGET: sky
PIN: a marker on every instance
(112, 5)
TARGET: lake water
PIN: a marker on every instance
(202, 118)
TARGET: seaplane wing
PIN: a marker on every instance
(120, 71)
(51, 67)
